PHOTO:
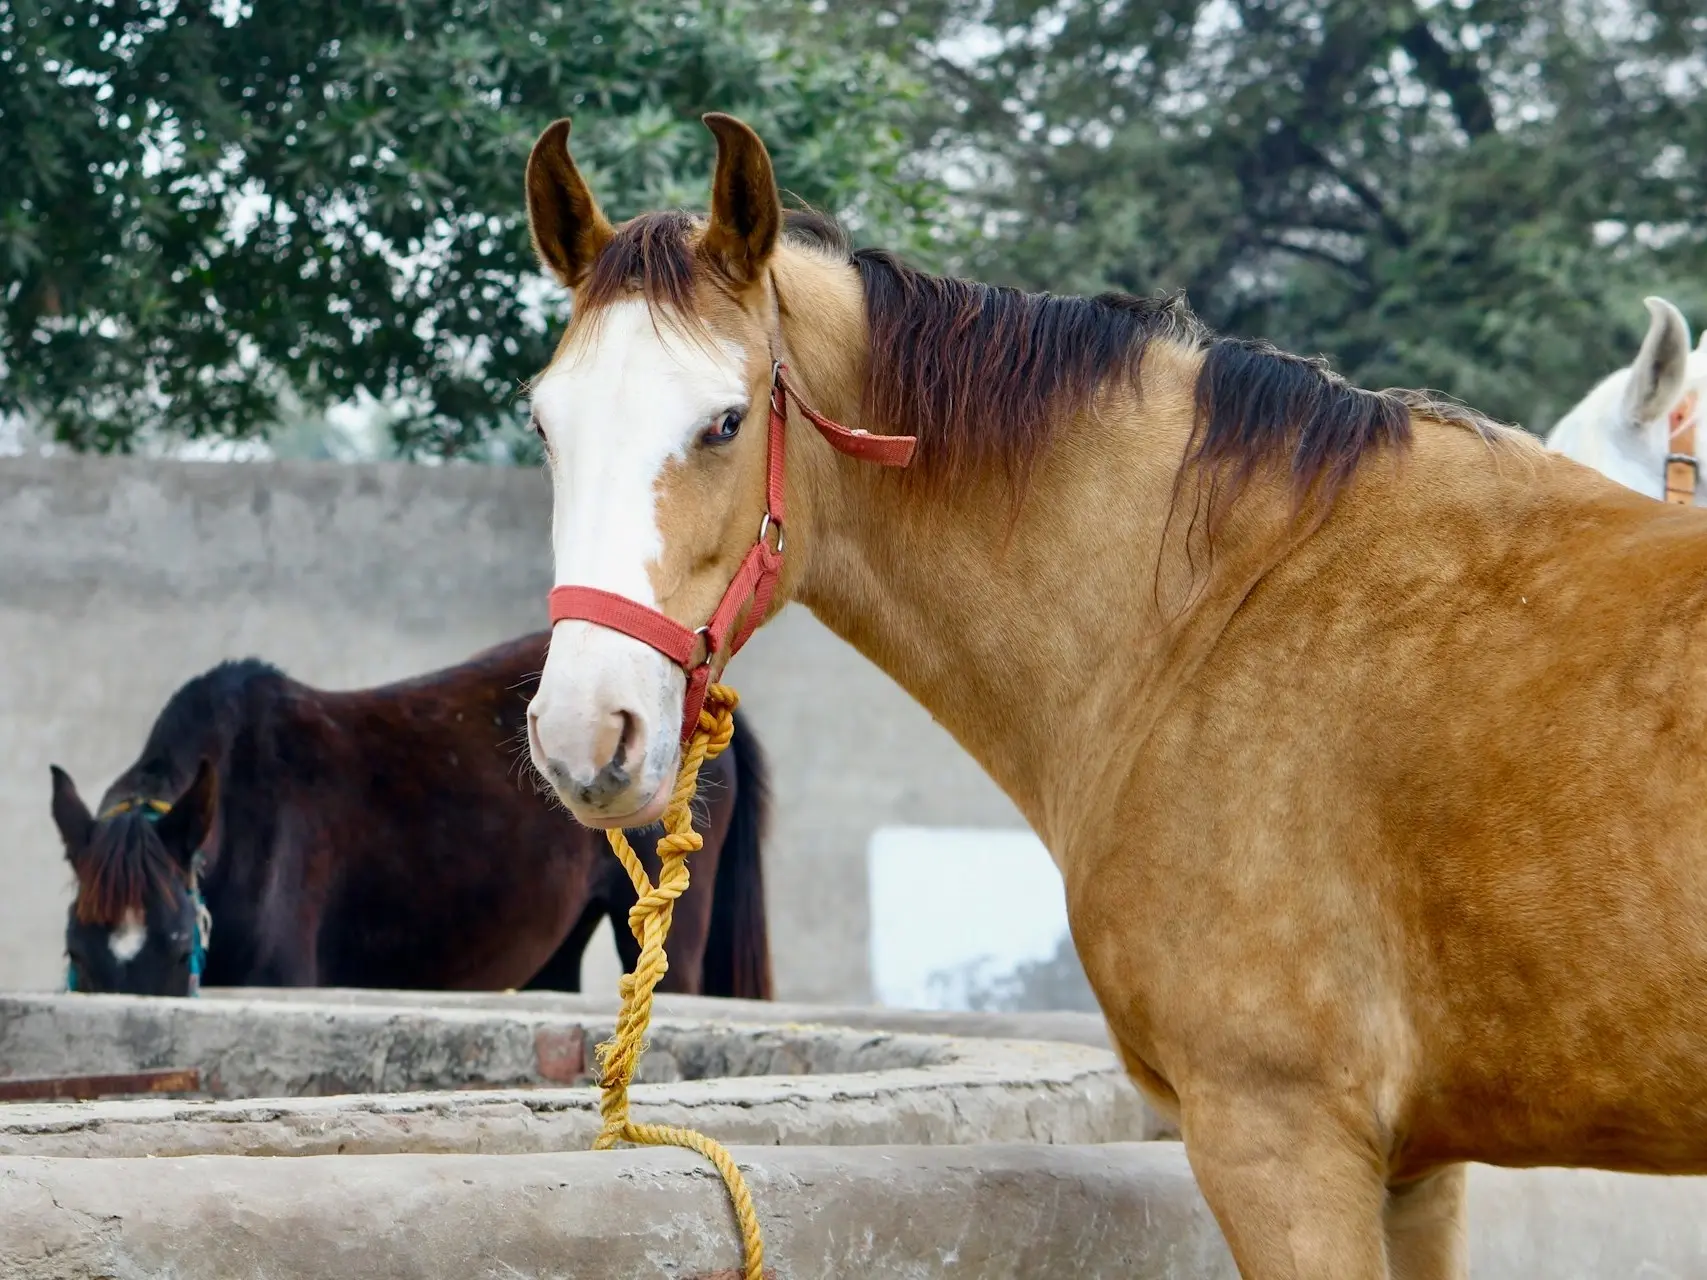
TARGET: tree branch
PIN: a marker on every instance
(1455, 76)
(1313, 254)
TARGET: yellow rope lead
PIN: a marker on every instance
(649, 919)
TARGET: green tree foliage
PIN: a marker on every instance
(1470, 195)
(210, 214)
(211, 220)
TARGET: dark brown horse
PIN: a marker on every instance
(388, 837)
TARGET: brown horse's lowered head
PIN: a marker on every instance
(653, 413)
(132, 927)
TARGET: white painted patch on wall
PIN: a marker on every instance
(946, 900)
(127, 940)
(601, 966)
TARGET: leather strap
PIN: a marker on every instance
(748, 597)
(884, 451)
(1683, 467)
(666, 635)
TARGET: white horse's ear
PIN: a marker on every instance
(1657, 377)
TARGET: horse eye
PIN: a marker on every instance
(725, 430)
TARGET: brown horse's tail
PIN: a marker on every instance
(737, 948)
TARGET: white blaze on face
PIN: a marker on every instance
(128, 937)
(629, 398)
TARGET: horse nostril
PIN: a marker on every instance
(605, 772)
(614, 741)
(611, 782)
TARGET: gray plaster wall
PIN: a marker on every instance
(120, 579)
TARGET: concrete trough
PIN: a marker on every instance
(302, 1078)
(1062, 1026)
(437, 1135)
(1128, 1210)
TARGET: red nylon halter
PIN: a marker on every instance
(754, 582)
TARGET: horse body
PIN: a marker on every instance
(386, 838)
(1441, 788)
(1366, 734)
(1444, 782)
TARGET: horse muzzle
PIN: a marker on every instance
(602, 727)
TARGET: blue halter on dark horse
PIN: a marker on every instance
(202, 933)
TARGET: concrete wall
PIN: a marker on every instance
(1126, 1210)
(121, 579)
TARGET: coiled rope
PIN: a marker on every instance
(649, 920)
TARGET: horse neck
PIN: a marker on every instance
(1042, 634)
(184, 732)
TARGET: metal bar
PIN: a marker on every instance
(84, 1088)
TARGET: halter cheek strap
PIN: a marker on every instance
(1683, 468)
(695, 650)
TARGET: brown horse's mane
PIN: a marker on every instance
(986, 375)
(122, 864)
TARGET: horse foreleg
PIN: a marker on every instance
(1426, 1228)
(1298, 1192)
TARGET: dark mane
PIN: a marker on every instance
(651, 254)
(124, 860)
(123, 864)
(987, 376)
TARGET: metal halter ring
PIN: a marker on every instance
(765, 527)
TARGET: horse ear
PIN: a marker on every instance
(70, 814)
(185, 828)
(1657, 377)
(746, 212)
(568, 229)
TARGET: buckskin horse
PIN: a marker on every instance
(1368, 737)
(387, 837)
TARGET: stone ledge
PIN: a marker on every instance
(992, 1213)
(949, 1212)
(741, 1082)
(1063, 1025)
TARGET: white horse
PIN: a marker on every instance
(1638, 425)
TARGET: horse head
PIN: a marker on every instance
(653, 413)
(1629, 424)
(137, 925)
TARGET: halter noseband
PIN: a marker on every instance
(154, 810)
(694, 650)
(1683, 467)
